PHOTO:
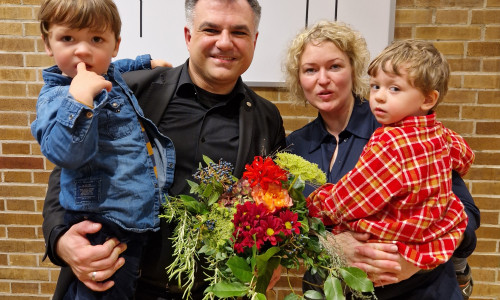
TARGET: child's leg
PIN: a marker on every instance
(464, 276)
(126, 277)
(459, 263)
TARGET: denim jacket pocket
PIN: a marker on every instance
(115, 119)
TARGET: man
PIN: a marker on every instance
(206, 109)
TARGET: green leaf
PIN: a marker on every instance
(196, 189)
(207, 160)
(260, 296)
(292, 297)
(265, 272)
(228, 289)
(240, 268)
(262, 261)
(264, 257)
(356, 279)
(313, 295)
(317, 225)
(304, 223)
(208, 191)
(213, 198)
(333, 288)
(299, 185)
(193, 205)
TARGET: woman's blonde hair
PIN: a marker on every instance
(345, 38)
(98, 15)
(427, 68)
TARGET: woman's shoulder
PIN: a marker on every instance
(304, 132)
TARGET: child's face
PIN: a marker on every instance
(71, 46)
(392, 97)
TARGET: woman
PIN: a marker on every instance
(326, 67)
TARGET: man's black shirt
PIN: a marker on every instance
(200, 123)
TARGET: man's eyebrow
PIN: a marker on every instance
(235, 27)
(241, 28)
(208, 24)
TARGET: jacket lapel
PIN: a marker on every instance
(159, 94)
(246, 133)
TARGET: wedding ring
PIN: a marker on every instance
(93, 275)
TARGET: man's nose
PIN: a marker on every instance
(224, 41)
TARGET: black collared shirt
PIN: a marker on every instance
(200, 123)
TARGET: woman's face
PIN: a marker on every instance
(325, 75)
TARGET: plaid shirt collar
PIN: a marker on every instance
(418, 121)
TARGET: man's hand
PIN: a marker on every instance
(84, 259)
(381, 261)
(159, 63)
(86, 85)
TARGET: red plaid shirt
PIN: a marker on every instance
(400, 190)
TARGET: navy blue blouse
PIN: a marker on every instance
(314, 143)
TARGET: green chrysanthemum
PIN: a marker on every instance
(298, 166)
(222, 227)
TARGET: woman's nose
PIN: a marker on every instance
(323, 77)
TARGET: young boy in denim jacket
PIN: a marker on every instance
(116, 166)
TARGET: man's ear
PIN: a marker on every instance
(430, 100)
(255, 41)
(187, 36)
(47, 47)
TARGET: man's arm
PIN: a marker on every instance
(70, 246)
(53, 217)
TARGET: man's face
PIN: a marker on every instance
(221, 43)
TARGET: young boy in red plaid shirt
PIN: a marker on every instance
(400, 189)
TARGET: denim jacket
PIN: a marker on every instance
(106, 168)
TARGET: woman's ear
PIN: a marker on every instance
(430, 100)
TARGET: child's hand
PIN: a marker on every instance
(86, 85)
(159, 63)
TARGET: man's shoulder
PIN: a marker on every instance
(160, 75)
(257, 99)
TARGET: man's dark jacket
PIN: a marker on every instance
(261, 132)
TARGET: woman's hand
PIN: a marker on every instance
(92, 265)
(381, 261)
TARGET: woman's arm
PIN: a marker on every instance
(468, 243)
(385, 266)
(381, 261)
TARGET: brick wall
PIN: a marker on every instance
(466, 31)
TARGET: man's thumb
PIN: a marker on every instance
(86, 227)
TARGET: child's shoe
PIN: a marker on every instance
(465, 282)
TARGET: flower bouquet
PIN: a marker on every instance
(244, 229)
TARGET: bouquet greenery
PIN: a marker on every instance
(246, 228)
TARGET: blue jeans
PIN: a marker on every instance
(126, 277)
